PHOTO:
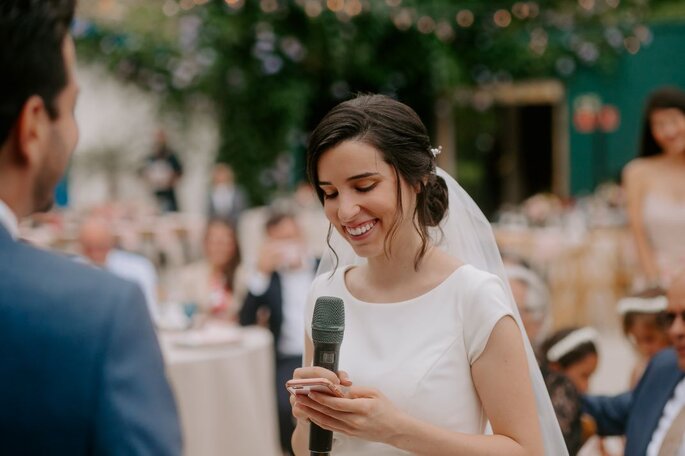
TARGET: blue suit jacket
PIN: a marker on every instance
(80, 367)
(636, 414)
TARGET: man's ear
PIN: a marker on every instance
(31, 131)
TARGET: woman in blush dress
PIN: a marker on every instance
(655, 188)
(213, 283)
(433, 345)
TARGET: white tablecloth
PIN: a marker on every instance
(225, 395)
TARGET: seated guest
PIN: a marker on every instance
(532, 299)
(96, 241)
(212, 282)
(652, 416)
(227, 200)
(569, 359)
(277, 297)
(643, 327)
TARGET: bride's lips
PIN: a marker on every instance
(360, 231)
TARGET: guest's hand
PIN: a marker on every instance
(364, 413)
(269, 257)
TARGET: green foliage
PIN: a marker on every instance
(273, 75)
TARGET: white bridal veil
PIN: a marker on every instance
(467, 235)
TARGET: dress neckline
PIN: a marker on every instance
(405, 301)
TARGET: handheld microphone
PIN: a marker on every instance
(328, 326)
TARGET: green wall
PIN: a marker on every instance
(626, 87)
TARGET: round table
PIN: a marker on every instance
(225, 394)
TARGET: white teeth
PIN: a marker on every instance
(358, 231)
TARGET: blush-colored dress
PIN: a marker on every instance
(418, 352)
(664, 221)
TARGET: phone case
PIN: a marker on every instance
(319, 385)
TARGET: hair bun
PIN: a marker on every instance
(436, 200)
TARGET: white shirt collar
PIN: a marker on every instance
(9, 220)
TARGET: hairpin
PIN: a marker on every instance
(436, 151)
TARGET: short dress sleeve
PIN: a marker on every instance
(482, 309)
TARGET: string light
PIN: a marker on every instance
(521, 10)
(425, 24)
(313, 8)
(335, 5)
(268, 6)
(403, 19)
(502, 18)
(465, 18)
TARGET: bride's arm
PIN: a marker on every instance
(501, 378)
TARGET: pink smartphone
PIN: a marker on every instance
(319, 385)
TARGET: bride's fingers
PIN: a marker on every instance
(325, 421)
(344, 378)
(321, 408)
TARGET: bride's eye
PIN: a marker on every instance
(368, 188)
(329, 195)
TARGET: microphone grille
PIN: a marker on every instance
(328, 321)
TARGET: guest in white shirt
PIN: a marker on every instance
(277, 297)
(97, 244)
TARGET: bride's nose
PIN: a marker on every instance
(348, 208)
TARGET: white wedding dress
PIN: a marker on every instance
(418, 352)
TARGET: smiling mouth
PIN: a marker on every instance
(361, 229)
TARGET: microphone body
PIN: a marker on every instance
(328, 324)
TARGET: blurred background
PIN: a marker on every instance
(192, 109)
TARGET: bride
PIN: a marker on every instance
(433, 345)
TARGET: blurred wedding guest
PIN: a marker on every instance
(81, 370)
(532, 298)
(655, 185)
(97, 244)
(643, 326)
(652, 415)
(212, 282)
(162, 171)
(227, 200)
(277, 294)
(569, 358)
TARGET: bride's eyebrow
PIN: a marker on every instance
(352, 178)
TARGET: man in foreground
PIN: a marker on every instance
(80, 371)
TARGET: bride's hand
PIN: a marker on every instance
(342, 378)
(364, 413)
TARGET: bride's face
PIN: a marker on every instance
(360, 197)
(668, 129)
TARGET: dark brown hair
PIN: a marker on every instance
(668, 97)
(232, 265)
(396, 131)
(32, 34)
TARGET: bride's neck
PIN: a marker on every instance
(399, 265)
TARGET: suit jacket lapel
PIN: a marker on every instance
(662, 391)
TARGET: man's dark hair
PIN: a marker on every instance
(32, 34)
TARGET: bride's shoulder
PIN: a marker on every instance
(327, 279)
